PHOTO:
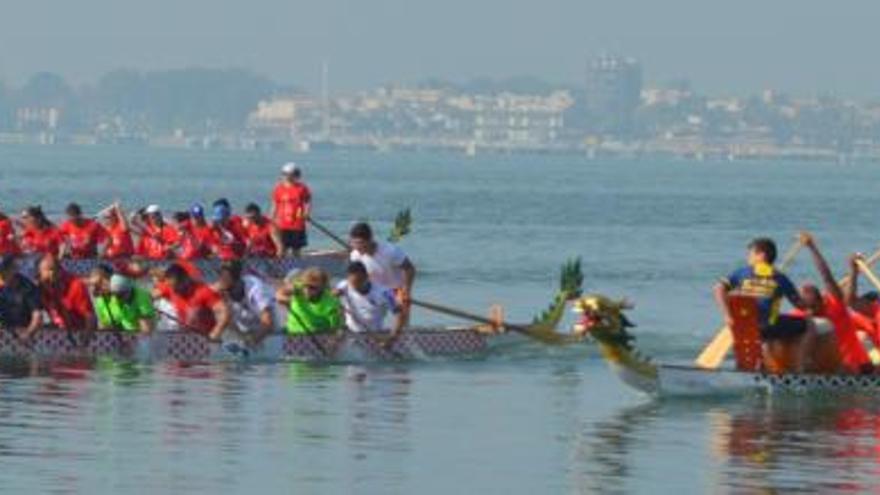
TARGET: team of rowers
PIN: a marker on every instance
(115, 296)
(186, 235)
(821, 334)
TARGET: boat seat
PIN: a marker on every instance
(746, 336)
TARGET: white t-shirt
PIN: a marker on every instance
(385, 265)
(257, 298)
(366, 312)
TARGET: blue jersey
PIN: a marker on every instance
(766, 285)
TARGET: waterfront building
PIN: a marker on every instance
(613, 89)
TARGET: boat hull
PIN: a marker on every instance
(50, 344)
(693, 381)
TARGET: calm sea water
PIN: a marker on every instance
(487, 230)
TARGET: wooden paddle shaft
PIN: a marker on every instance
(329, 233)
(467, 316)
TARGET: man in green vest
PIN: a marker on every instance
(120, 304)
(311, 306)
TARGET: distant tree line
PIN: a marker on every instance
(191, 99)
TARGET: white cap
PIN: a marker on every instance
(290, 168)
(119, 283)
(153, 209)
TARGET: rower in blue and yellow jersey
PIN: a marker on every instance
(763, 281)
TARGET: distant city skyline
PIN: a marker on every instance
(721, 47)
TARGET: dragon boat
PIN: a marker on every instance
(415, 344)
(605, 320)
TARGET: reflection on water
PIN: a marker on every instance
(756, 445)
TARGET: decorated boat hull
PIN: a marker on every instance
(50, 344)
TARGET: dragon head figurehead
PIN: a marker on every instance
(605, 320)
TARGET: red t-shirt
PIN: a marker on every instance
(157, 243)
(83, 240)
(41, 241)
(852, 352)
(227, 242)
(259, 239)
(290, 205)
(195, 308)
(8, 244)
(120, 244)
(67, 302)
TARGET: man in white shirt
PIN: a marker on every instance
(367, 303)
(250, 300)
(386, 264)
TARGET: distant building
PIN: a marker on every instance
(512, 119)
(37, 119)
(614, 86)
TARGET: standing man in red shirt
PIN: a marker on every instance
(260, 235)
(199, 308)
(65, 297)
(81, 235)
(291, 207)
(8, 242)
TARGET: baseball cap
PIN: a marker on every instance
(221, 212)
(152, 209)
(120, 283)
(197, 210)
(290, 168)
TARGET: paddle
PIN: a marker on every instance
(713, 354)
(532, 331)
(329, 233)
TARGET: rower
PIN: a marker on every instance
(81, 235)
(40, 236)
(200, 228)
(8, 241)
(189, 246)
(386, 263)
(260, 234)
(311, 306)
(119, 241)
(227, 234)
(291, 207)
(249, 298)
(844, 347)
(20, 306)
(64, 297)
(367, 303)
(158, 239)
(119, 303)
(761, 280)
(198, 307)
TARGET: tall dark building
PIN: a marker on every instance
(614, 86)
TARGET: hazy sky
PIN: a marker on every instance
(721, 46)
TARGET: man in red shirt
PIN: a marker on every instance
(260, 235)
(65, 297)
(119, 241)
(39, 236)
(227, 235)
(832, 305)
(158, 239)
(81, 235)
(199, 308)
(8, 243)
(189, 246)
(291, 207)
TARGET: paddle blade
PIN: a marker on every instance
(714, 353)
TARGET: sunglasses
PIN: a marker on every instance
(312, 288)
